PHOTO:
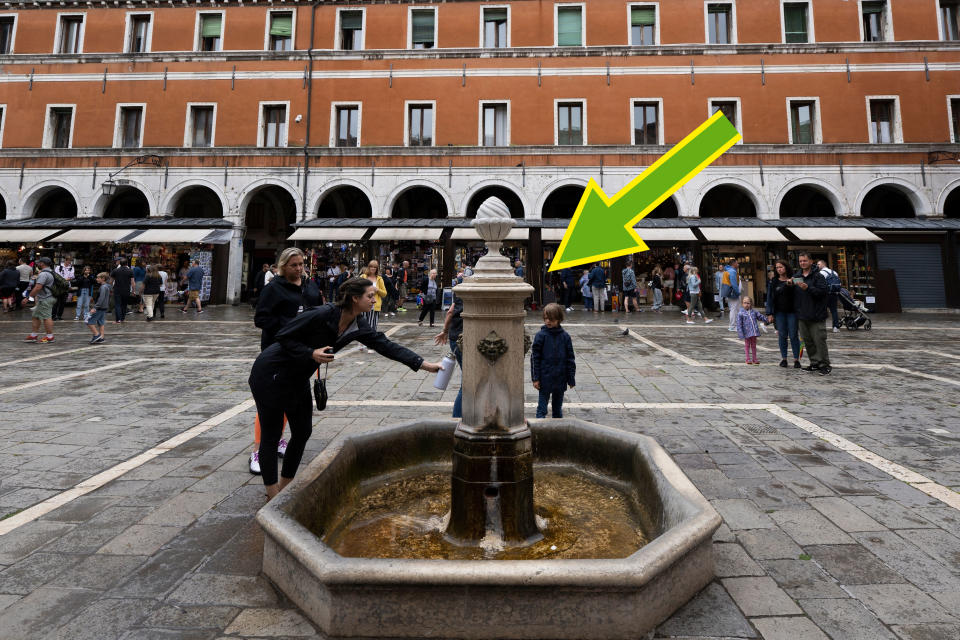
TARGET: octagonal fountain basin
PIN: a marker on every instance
(357, 540)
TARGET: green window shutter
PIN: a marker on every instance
(210, 25)
(718, 8)
(351, 20)
(872, 7)
(494, 14)
(568, 27)
(281, 24)
(642, 16)
(422, 27)
(795, 23)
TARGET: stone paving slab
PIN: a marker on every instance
(815, 543)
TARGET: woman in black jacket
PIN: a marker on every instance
(288, 294)
(431, 291)
(781, 310)
(84, 283)
(152, 284)
(280, 378)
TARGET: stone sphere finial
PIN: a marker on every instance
(493, 221)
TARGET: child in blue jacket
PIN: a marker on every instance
(552, 363)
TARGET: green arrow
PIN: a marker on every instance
(602, 227)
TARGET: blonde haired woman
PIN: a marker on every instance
(693, 286)
(281, 300)
(372, 273)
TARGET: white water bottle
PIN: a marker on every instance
(444, 375)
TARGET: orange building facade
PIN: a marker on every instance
(377, 128)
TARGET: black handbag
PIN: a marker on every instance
(320, 389)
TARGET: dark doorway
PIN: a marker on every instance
(509, 198)
(269, 217)
(727, 201)
(56, 203)
(887, 201)
(345, 202)
(666, 209)
(198, 202)
(419, 202)
(806, 202)
(562, 202)
(951, 206)
(3, 209)
(128, 202)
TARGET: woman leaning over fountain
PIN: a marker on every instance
(280, 378)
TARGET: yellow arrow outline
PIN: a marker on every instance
(593, 186)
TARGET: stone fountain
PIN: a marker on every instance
(493, 526)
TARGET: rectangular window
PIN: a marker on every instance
(420, 132)
(569, 26)
(348, 126)
(71, 31)
(201, 126)
(495, 28)
(570, 123)
(61, 125)
(211, 30)
(950, 19)
(646, 123)
(643, 26)
(495, 125)
(802, 122)
(795, 22)
(2, 114)
(131, 120)
(274, 132)
(422, 28)
(281, 31)
(719, 23)
(955, 118)
(351, 30)
(728, 108)
(6, 34)
(139, 30)
(874, 19)
(881, 121)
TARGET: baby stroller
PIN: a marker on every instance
(854, 312)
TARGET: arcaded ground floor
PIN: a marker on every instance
(129, 508)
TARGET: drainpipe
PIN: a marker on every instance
(306, 142)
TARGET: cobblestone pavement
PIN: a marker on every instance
(129, 509)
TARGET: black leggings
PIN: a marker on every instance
(428, 306)
(298, 407)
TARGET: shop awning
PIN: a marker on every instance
(678, 234)
(471, 234)
(92, 235)
(834, 234)
(552, 234)
(328, 233)
(26, 235)
(218, 236)
(170, 235)
(741, 234)
(407, 233)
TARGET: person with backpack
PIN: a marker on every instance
(630, 288)
(45, 292)
(598, 286)
(833, 291)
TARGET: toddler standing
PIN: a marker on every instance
(552, 363)
(748, 328)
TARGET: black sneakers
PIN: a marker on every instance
(813, 367)
(825, 370)
(783, 363)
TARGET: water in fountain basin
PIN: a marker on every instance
(580, 517)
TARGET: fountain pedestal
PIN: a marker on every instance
(492, 480)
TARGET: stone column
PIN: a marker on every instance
(492, 481)
(235, 265)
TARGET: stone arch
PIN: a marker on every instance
(491, 188)
(406, 187)
(921, 206)
(344, 201)
(101, 202)
(318, 196)
(169, 204)
(251, 190)
(3, 206)
(37, 193)
(821, 187)
(742, 196)
(949, 201)
(553, 188)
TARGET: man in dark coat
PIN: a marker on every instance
(810, 302)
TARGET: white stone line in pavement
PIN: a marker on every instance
(114, 472)
(669, 352)
(67, 376)
(914, 479)
(46, 355)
